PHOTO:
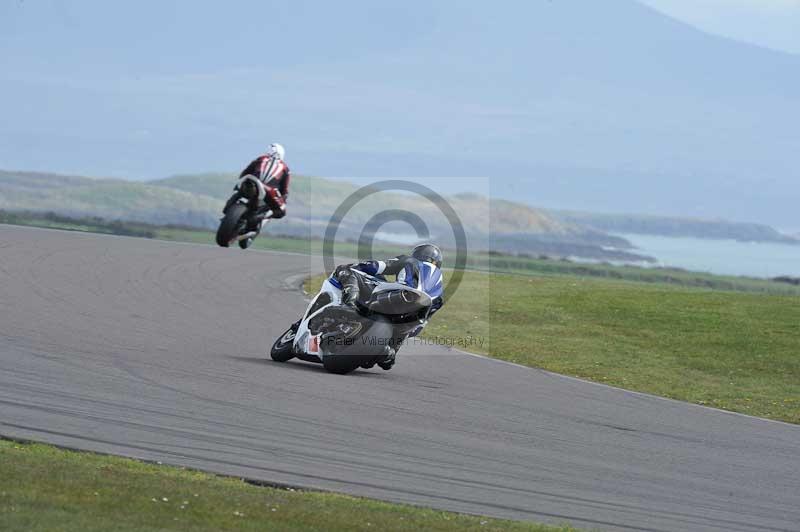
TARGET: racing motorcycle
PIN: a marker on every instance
(343, 338)
(244, 213)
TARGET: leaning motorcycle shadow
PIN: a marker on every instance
(299, 365)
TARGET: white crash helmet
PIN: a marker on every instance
(277, 151)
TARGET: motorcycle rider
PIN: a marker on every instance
(421, 270)
(271, 169)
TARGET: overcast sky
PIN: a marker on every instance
(580, 104)
(770, 23)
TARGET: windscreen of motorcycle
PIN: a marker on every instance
(423, 276)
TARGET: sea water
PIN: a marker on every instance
(728, 257)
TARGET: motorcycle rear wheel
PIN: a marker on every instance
(229, 226)
(341, 364)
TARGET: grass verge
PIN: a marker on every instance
(45, 488)
(731, 350)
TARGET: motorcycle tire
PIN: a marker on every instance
(283, 348)
(341, 364)
(229, 226)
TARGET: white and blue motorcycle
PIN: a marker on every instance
(343, 337)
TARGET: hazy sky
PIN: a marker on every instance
(771, 23)
(602, 105)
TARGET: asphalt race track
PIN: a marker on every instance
(158, 351)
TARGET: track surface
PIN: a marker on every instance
(157, 350)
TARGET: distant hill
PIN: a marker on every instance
(196, 200)
(321, 197)
(112, 199)
(491, 224)
(676, 227)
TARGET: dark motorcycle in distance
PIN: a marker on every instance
(244, 213)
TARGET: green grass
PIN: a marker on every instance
(45, 488)
(731, 350)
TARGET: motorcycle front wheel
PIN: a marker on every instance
(282, 348)
(230, 224)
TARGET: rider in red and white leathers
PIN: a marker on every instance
(273, 172)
